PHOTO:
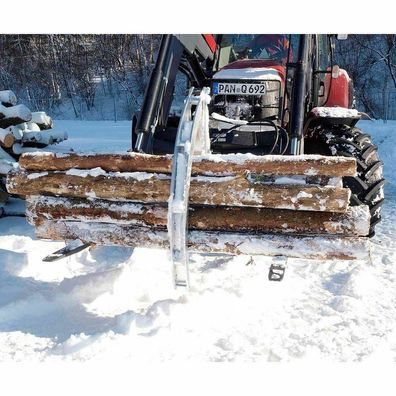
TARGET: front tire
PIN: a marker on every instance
(368, 186)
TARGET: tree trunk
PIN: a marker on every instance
(212, 165)
(322, 248)
(355, 221)
(153, 188)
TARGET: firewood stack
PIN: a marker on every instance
(21, 131)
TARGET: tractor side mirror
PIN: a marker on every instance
(342, 36)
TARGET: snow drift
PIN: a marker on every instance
(115, 303)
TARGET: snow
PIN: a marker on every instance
(18, 111)
(6, 166)
(117, 304)
(41, 117)
(95, 172)
(240, 159)
(17, 131)
(7, 163)
(336, 112)
(220, 117)
(17, 148)
(8, 97)
(93, 136)
(289, 180)
(36, 175)
(303, 194)
(33, 127)
(46, 136)
(210, 179)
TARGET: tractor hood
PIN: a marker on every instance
(251, 69)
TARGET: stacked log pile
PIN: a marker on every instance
(7, 164)
(21, 131)
(236, 200)
(20, 128)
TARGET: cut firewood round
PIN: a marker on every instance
(7, 139)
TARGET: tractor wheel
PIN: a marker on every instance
(368, 186)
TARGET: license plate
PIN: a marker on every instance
(237, 89)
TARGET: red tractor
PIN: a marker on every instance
(267, 160)
(271, 94)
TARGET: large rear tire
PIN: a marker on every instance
(368, 186)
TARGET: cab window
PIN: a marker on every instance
(234, 47)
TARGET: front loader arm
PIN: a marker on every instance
(184, 52)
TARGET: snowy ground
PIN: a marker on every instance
(117, 304)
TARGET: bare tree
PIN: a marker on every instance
(370, 61)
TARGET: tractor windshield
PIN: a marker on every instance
(233, 47)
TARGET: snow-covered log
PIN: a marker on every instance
(20, 130)
(43, 120)
(8, 98)
(17, 131)
(14, 115)
(31, 136)
(32, 127)
(52, 137)
(226, 164)
(7, 138)
(43, 137)
(5, 156)
(18, 149)
(307, 247)
(155, 188)
(5, 167)
(7, 163)
(355, 221)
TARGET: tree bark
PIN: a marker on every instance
(213, 165)
(153, 188)
(315, 247)
(355, 221)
